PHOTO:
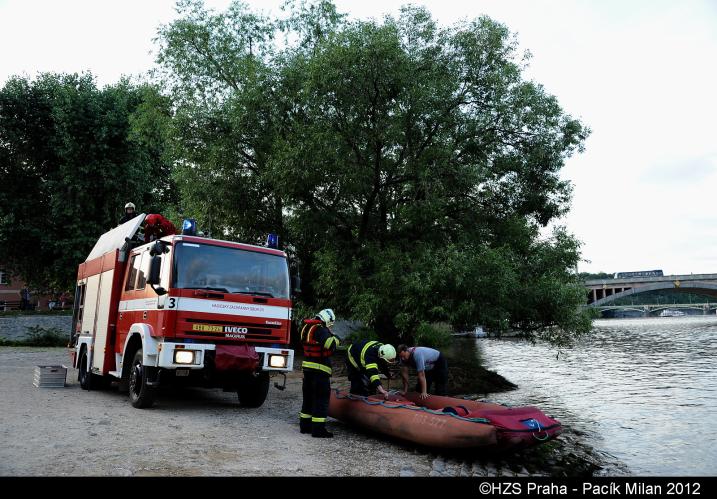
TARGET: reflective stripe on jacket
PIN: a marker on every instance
(319, 345)
(364, 357)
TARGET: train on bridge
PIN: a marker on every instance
(641, 273)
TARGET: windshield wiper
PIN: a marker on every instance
(223, 290)
(258, 293)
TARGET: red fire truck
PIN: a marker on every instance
(181, 310)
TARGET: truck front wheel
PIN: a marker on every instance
(141, 394)
(253, 390)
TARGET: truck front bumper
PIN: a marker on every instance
(192, 356)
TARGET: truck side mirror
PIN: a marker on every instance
(155, 266)
(296, 284)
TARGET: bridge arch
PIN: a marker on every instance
(694, 306)
(700, 288)
(628, 308)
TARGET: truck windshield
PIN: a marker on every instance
(230, 270)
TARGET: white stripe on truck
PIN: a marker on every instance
(141, 304)
(209, 306)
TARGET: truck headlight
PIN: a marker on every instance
(184, 356)
(277, 361)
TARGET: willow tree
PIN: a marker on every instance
(410, 166)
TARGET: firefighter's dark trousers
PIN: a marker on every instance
(317, 391)
(359, 382)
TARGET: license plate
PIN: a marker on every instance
(182, 372)
(207, 328)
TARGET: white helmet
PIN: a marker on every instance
(327, 316)
(129, 205)
(387, 352)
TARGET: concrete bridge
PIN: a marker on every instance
(656, 310)
(602, 292)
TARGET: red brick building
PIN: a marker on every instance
(10, 298)
(10, 287)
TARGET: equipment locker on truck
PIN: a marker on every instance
(181, 310)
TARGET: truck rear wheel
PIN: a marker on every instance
(84, 376)
(88, 380)
(253, 390)
(141, 394)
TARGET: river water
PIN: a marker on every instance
(641, 390)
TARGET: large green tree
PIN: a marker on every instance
(71, 156)
(408, 166)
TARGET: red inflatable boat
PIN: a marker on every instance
(446, 422)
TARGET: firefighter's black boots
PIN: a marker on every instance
(319, 431)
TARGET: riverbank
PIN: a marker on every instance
(42, 429)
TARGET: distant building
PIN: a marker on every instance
(10, 287)
(10, 298)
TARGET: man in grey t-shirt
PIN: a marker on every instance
(430, 365)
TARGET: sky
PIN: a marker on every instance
(642, 75)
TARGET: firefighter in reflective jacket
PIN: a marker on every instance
(319, 344)
(362, 361)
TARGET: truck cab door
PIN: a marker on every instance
(164, 282)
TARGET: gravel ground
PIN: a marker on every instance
(200, 432)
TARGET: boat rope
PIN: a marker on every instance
(397, 405)
(535, 434)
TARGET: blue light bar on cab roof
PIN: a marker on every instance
(189, 227)
(272, 241)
